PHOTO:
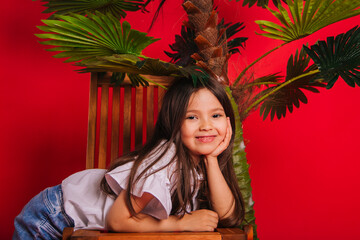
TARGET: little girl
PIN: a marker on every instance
(181, 180)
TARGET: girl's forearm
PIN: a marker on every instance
(198, 220)
(119, 218)
(146, 223)
(221, 197)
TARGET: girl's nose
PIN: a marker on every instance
(205, 125)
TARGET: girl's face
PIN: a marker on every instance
(205, 123)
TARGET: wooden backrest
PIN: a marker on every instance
(121, 118)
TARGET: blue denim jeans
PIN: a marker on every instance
(43, 217)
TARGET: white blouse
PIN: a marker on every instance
(88, 206)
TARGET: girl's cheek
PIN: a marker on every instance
(225, 126)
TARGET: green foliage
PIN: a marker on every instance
(233, 44)
(84, 38)
(291, 94)
(338, 57)
(306, 17)
(260, 3)
(78, 37)
(241, 168)
(267, 80)
(131, 64)
(185, 45)
(117, 8)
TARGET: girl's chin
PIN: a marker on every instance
(204, 149)
(205, 152)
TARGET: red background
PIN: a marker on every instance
(304, 168)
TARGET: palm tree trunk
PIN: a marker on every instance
(210, 39)
(213, 56)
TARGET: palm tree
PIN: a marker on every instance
(89, 33)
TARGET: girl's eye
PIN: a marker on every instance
(190, 117)
(217, 115)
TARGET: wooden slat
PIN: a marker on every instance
(127, 120)
(219, 234)
(155, 103)
(88, 234)
(132, 117)
(232, 234)
(90, 151)
(121, 121)
(115, 123)
(103, 126)
(144, 116)
(67, 233)
(150, 112)
(138, 117)
(161, 93)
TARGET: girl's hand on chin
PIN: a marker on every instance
(223, 145)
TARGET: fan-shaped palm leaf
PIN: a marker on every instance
(291, 95)
(131, 64)
(260, 3)
(244, 93)
(306, 17)
(79, 37)
(116, 7)
(338, 57)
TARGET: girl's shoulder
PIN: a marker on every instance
(164, 152)
(87, 175)
(160, 157)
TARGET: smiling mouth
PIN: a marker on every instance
(205, 139)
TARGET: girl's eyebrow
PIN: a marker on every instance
(211, 110)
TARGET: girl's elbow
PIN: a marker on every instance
(115, 224)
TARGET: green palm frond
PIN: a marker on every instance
(260, 3)
(131, 64)
(244, 93)
(241, 168)
(117, 8)
(306, 17)
(137, 80)
(233, 44)
(338, 57)
(185, 46)
(157, 67)
(78, 37)
(265, 80)
(283, 100)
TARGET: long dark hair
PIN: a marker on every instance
(167, 129)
